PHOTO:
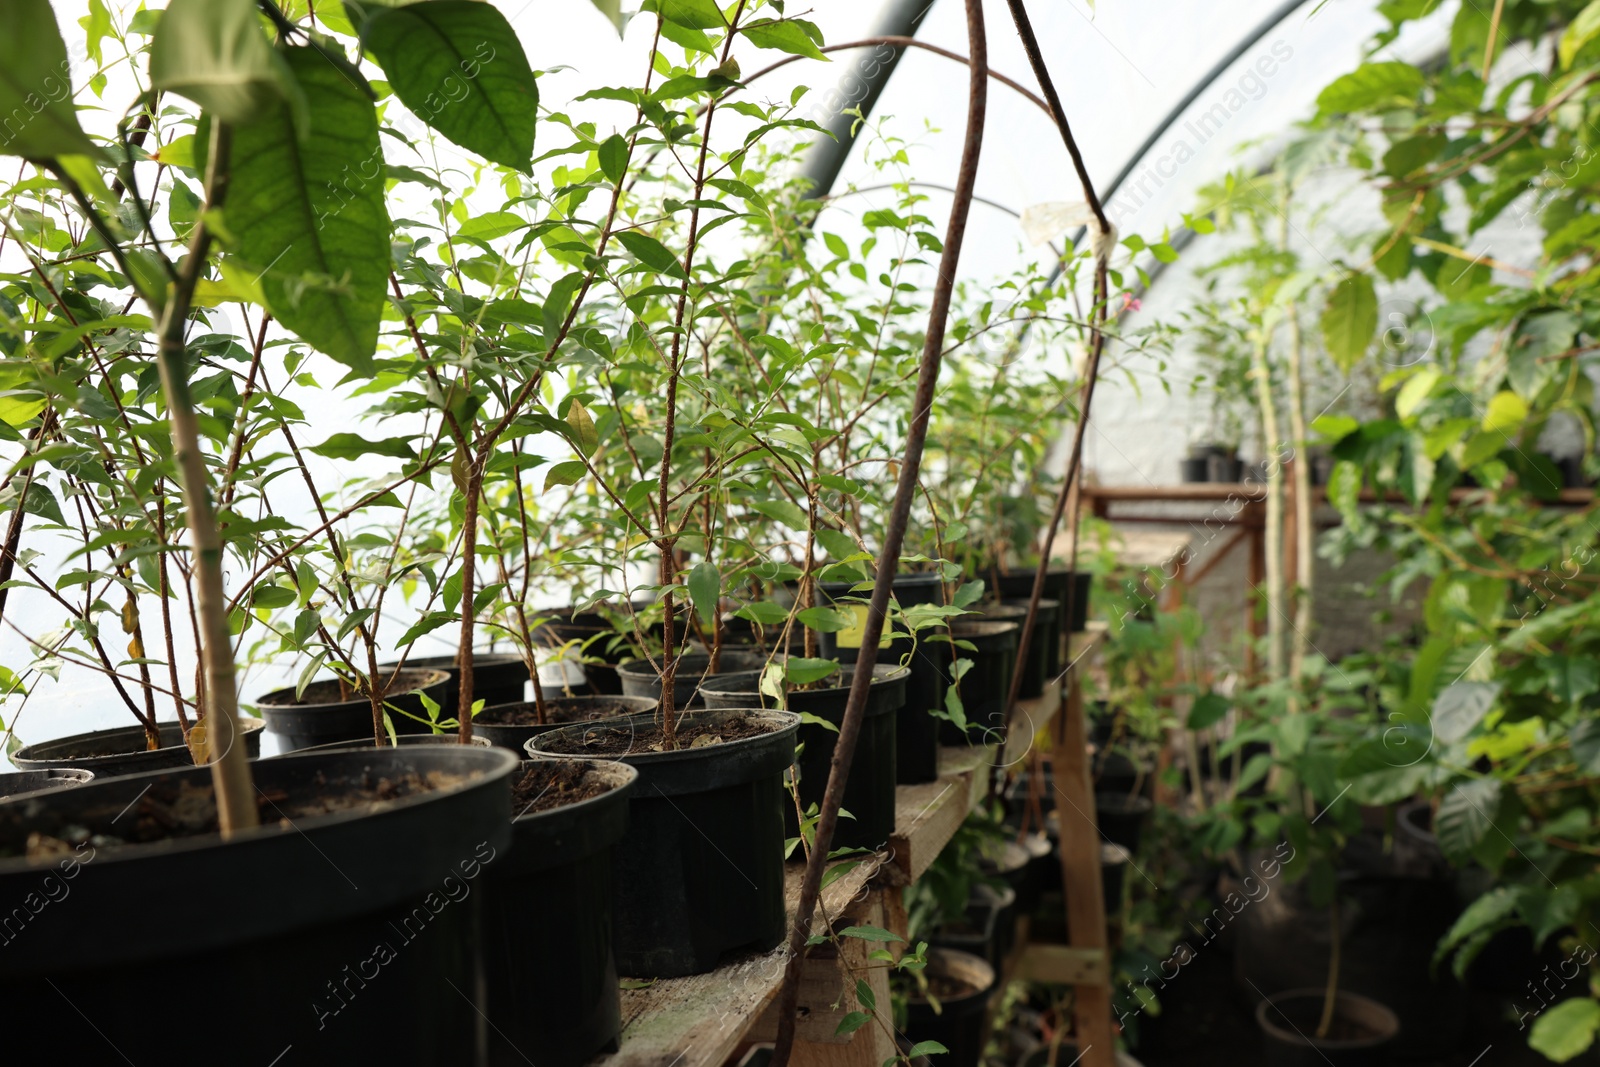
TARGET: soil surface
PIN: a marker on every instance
(555, 784)
(559, 711)
(1306, 1017)
(174, 809)
(329, 692)
(619, 741)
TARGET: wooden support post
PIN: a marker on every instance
(1080, 876)
(828, 994)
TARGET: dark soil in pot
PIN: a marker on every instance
(1121, 817)
(497, 677)
(319, 715)
(640, 679)
(21, 783)
(1361, 1035)
(347, 926)
(987, 682)
(700, 869)
(109, 753)
(552, 978)
(1036, 664)
(869, 791)
(511, 725)
(960, 982)
(1059, 583)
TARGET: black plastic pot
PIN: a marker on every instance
(1225, 468)
(306, 724)
(916, 730)
(601, 645)
(497, 677)
(1196, 466)
(869, 791)
(981, 932)
(1121, 817)
(109, 753)
(405, 740)
(1036, 664)
(552, 979)
(640, 679)
(959, 1023)
(987, 682)
(1059, 583)
(1389, 928)
(700, 870)
(928, 659)
(1289, 1019)
(1046, 646)
(564, 711)
(1013, 864)
(22, 783)
(353, 937)
(1115, 771)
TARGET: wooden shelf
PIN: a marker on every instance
(702, 1020)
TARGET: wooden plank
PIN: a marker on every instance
(1063, 965)
(702, 1020)
(928, 815)
(1080, 876)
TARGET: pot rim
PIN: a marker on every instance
(881, 673)
(262, 702)
(494, 761)
(1375, 1015)
(247, 724)
(784, 722)
(624, 776)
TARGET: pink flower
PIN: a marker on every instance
(1129, 303)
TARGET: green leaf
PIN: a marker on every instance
(1350, 319)
(459, 66)
(802, 671)
(493, 224)
(564, 473)
(612, 9)
(785, 35)
(651, 252)
(1465, 815)
(584, 434)
(1372, 87)
(695, 14)
(1461, 706)
(1582, 30)
(852, 1022)
(1567, 1030)
(763, 612)
(36, 87)
(925, 1048)
(215, 53)
(865, 995)
(310, 216)
(705, 589)
(789, 514)
(1585, 739)
(613, 153)
(1506, 412)
(870, 933)
(426, 625)
(1208, 709)
(837, 545)
(825, 620)
(355, 446)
